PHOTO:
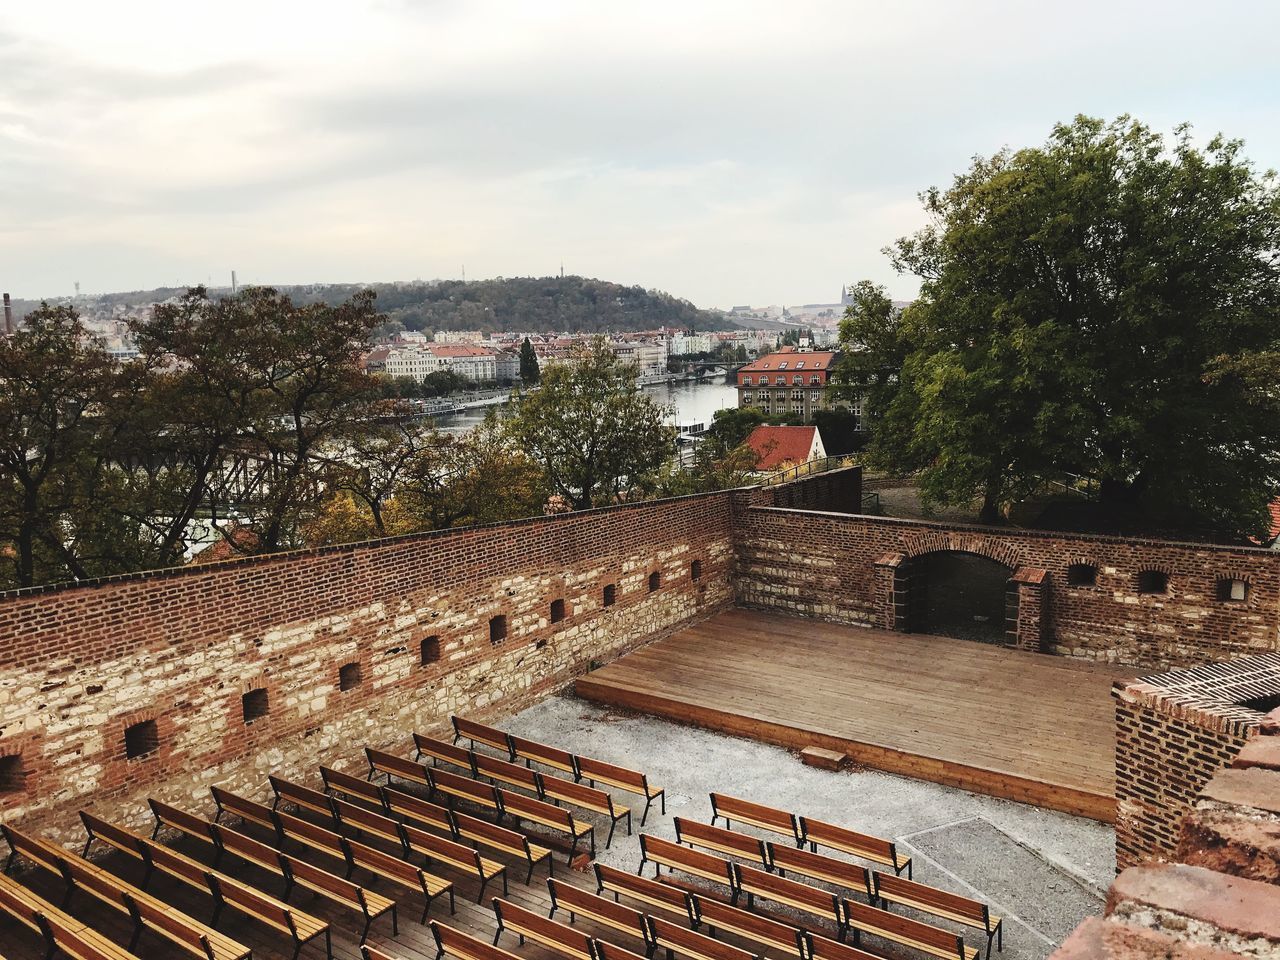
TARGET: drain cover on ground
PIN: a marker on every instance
(1010, 877)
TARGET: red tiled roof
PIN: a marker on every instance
(459, 350)
(775, 446)
(812, 360)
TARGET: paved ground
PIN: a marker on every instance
(1043, 871)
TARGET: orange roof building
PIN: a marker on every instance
(776, 447)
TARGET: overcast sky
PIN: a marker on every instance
(726, 152)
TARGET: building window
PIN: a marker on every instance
(610, 594)
(497, 629)
(1082, 575)
(747, 380)
(695, 570)
(782, 365)
(430, 650)
(349, 675)
(1233, 589)
(255, 704)
(655, 581)
(1153, 581)
(799, 364)
(797, 380)
(141, 739)
(557, 611)
(797, 394)
(13, 775)
(815, 380)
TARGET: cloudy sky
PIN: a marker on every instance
(729, 152)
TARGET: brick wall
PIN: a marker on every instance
(833, 566)
(837, 490)
(80, 665)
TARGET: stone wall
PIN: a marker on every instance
(410, 626)
(848, 568)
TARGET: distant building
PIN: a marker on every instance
(479, 364)
(778, 447)
(789, 381)
(648, 356)
(507, 365)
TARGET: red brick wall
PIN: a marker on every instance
(79, 664)
(823, 565)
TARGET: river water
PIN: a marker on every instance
(690, 400)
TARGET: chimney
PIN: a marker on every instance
(8, 316)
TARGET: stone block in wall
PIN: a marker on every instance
(1235, 827)
(1096, 939)
(1261, 752)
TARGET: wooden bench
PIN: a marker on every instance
(607, 950)
(824, 948)
(370, 905)
(666, 853)
(373, 953)
(525, 924)
(840, 873)
(442, 751)
(942, 904)
(424, 813)
(818, 833)
(463, 946)
(630, 780)
(766, 932)
(246, 848)
(513, 774)
(790, 893)
(457, 787)
(606, 912)
(588, 798)
(386, 866)
(300, 798)
(756, 814)
(188, 824)
(722, 841)
(391, 766)
(531, 751)
(862, 919)
(548, 815)
(674, 938)
(317, 839)
(459, 856)
(249, 811)
(60, 931)
(510, 842)
(352, 788)
(267, 910)
(482, 733)
(651, 893)
(362, 821)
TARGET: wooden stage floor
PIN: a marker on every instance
(1024, 726)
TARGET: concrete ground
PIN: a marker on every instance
(1042, 871)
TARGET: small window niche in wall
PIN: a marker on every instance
(349, 675)
(655, 581)
(430, 650)
(13, 774)
(1233, 589)
(497, 629)
(1153, 581)
(557, 610)
(141, 739)
(695, 571)
(1082, 575)
(255, 704)
(610, 596)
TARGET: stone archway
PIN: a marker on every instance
(961, 593)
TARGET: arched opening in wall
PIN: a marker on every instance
(430, 650)
(953, 593)
(141, 739)
(13, 775)
(557, 610)
(349, 675)
(255, 704)
(695, 571)
(610, 595)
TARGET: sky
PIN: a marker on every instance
(727, 152)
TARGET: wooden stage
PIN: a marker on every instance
(1024, 726)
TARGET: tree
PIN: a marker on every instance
(731, 426)
(595, 433)
(529, 373)
(1090, 306)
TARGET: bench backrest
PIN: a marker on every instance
(409, 807)
(450, 851)
(386, 865)
(578, 794)
(702, 835)
(760, 929)
(581, 901)
(463, 946)
(482, 733)
(313, 836)
(18, 902)
(250, 901)
(865, 917)
(824, 948)
(673, 936)
(612, 773)
(31, 848)
(321, 879)
(519, 805)
(351, 786)
(923, 893)
(517, 918)
(508, 772)
(76, 945)
(246, 809)
(734, 808)
(611, 878)
(246, 847)
(842, 873)
(178, 819)
(175, 864)
(851, 841)
(361, 818)
(669, 853)
(484, 794)
(382, 762)
(108, 832)
(97, 883)
(175, 925)
(491, 833)
(770, 886)
(443, 751)
(287, 791)
(606, 950)
(527, 749)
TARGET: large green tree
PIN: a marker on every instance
(597, 435)
(529, 372)
(1099, 305)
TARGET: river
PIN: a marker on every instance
(691, 400)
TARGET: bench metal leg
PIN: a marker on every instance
(328, 944)
(609, 839)
(640, 872)
(628, 823)
(645, 815)
(84, 854)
